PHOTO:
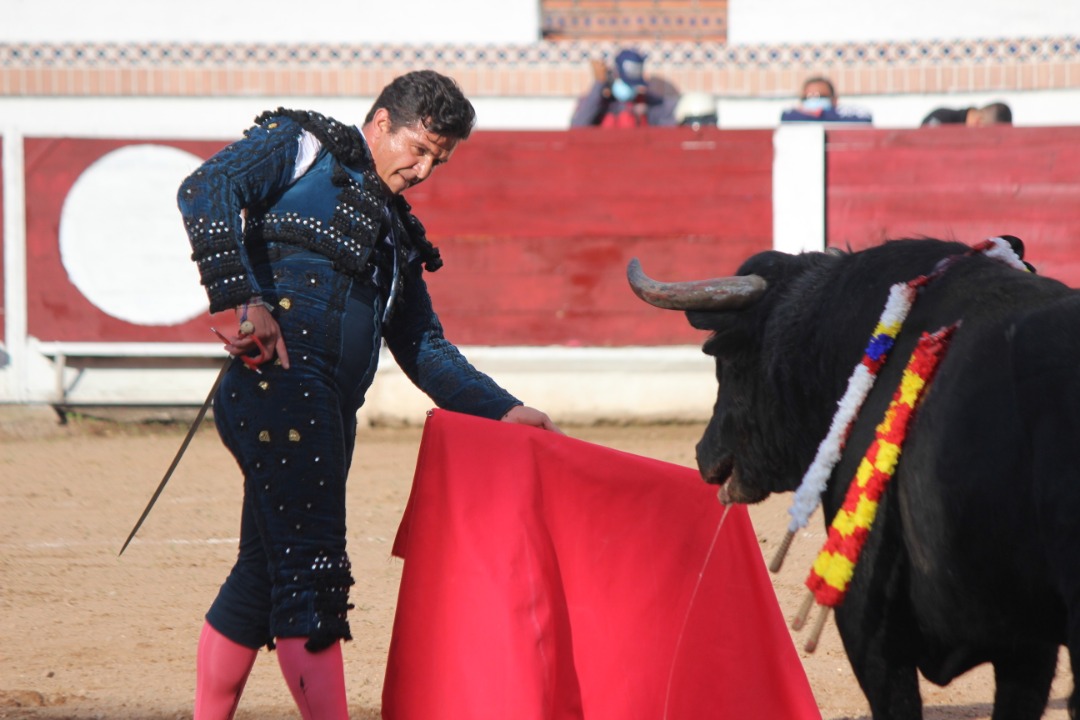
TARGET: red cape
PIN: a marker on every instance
(548, 578)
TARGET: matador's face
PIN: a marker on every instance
(405, 155)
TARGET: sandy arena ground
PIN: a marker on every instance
(86, 634)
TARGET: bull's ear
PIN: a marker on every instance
(716, 321)
(701, 320)
(729, 331)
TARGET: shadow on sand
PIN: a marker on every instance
(980, 711)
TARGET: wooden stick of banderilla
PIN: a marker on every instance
(799, 621)
(781, 552)
(804, 612)
(815, 632)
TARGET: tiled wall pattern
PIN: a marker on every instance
(698, 20)
(539, 69)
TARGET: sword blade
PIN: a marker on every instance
(179, 453)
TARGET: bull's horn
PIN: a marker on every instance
(728, 293)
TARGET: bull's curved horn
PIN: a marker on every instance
(728, 293)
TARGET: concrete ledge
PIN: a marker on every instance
(573, 385)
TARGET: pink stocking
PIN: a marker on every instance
(316, 679)
(222, 669)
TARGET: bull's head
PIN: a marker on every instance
(743, 449)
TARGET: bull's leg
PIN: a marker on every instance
(1048, 393)
(892, 691)
(880, 643)
(1023, 683)
(1074, 662)
(878, 626)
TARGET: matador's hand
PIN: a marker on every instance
(530, 416)
(259, 330)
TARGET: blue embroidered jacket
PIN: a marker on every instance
(336, 208)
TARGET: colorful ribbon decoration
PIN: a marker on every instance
(807, 496)
(831, 573)
(901, 297)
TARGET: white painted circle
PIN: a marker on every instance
(122, 239)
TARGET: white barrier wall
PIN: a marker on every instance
(271, 21)
(750, 22)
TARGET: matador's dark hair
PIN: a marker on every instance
(429, 98)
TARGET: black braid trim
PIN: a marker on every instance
(332, 580)
(353, 262)
(343, 141)
(418, 236)
(348, 147)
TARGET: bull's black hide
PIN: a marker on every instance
(975, 553)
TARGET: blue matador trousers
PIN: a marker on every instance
(292, 433)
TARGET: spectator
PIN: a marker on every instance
(997, 113)
(621, 96)
(696, 110)
(819, 104)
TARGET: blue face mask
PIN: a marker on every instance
(817, 103)
(622, 91)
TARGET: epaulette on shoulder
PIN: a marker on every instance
(342, 140)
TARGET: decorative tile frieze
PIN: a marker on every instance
(538, 69)
(698, 20)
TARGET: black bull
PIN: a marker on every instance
(975, 553)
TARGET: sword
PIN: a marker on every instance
(179, 453)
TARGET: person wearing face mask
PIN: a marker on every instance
(818, 103)
(326, 264)
(621, 97)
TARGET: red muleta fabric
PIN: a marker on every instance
(547, 578)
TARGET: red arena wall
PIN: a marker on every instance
(3, 274)
(961, 183)
(56, 310)
(536, 229)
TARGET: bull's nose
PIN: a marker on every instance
(716, 472)
(724, 495)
